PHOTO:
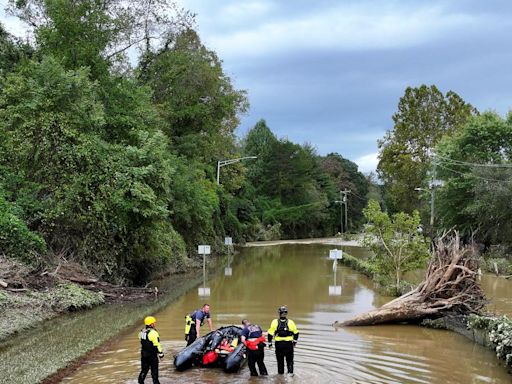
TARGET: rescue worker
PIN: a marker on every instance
(286, 334)
(194, 321)
(253, 338)
(150, 350)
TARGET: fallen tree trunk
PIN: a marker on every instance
(450, 285)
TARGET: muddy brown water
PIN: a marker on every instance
(302, 277)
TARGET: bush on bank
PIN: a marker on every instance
(499, 332)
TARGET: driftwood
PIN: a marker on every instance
(450, 285)
(83, 280)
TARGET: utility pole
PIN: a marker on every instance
(344, 199)
(341, 215)
(434, 183)
(433, 194)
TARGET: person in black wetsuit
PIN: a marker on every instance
(150, 351)
(285, 333)
(253, 338)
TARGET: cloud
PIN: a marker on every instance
(350, 27)
(368, 163)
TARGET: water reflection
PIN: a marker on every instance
(299, 276)
(228, 271)
(203, 291)
(335, 289)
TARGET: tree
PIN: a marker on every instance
(196, 100)
(475, 165)
(102, 203)
(12, 52)
(346, 176)
(424, 116)
(258, 142)
(397, 245)
(97, 33)
(450, 287)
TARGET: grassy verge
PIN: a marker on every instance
(363, 266)
(368, 269)
(20, 311)
(38, 353)
(501, 265)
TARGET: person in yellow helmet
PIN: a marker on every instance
(150, 350)
(286, 334)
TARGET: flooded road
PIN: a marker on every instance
(301, 277)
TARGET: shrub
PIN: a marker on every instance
(500, 334)
(70, 297)
(16, 240)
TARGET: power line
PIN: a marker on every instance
(359, 197)
(460, 162)
(473, 175)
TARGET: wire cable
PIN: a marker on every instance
(460, 162)
(473, 175)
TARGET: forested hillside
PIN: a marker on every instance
(113, 164)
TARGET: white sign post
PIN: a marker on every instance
(335, 254)
(203, 249)
(228, 241)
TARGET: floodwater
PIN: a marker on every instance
(303, 278)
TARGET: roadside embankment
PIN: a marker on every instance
(54, 348)
(494, 332)
(29, 296)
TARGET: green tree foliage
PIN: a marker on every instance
(115, 168)
(196, 100)
(424, 116)
(15, 238)
(475, 165)
(397, 245)
(102, 202)
(346, 176)
(291, 186)
(12, 52)
(97, 33)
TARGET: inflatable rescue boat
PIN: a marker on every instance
(220, 348)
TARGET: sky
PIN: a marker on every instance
(331, 72)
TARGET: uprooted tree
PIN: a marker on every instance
(450, 286)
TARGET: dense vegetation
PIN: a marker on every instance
(113, 164)
(441, 144)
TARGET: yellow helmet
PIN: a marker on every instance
(149, 320)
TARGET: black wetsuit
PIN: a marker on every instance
(148, 357)
(255, 356)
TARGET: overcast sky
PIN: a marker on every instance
(331, 72)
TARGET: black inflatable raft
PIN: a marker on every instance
(230, 362)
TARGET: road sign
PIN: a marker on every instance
(203, 249)
(203, 291)
(228, 241)
(228, 271)
(334, 290)
(335, 254)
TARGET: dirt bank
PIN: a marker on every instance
(31, 295)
